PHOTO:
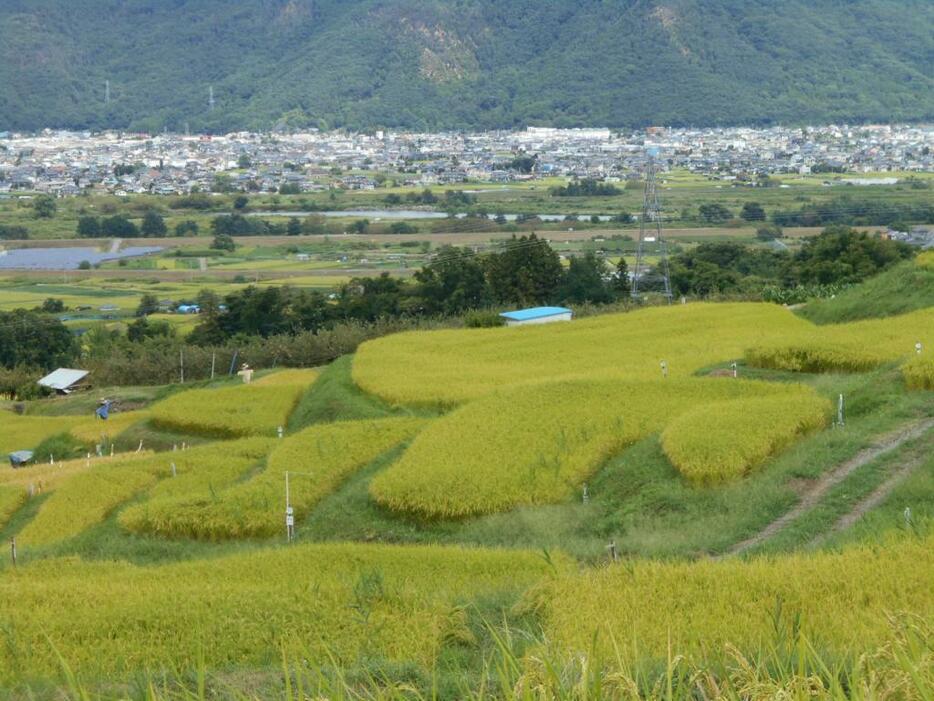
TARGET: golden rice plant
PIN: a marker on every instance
(926, 259)
(199, 473)
(92, 430)
(843, 602)
(919, 372)
(721, 441)
(293, 376)
(87, 496)
(322, 456)
(229, 412)
(26, 432)
(536, 444)
(854, 347)
(350, 601)
(449, 367)
(85, 492)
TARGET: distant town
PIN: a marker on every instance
(63, 163)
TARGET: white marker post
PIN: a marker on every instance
(918, 348)
(289, 511)
(841, 411)
(664, 369)
(735, 369)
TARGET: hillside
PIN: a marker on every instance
(459, 497)
(471, 64)
(905, 288)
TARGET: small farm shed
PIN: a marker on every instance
(537, 315)
(65, 380)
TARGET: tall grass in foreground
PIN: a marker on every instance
(518, 666)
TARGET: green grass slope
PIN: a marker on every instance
(905, 288)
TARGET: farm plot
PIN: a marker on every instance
(26, 432)
(719, 441)
(547, 439)
(229, 412)
(855, 347)
(111, 619)
(300, 376)
(93, 430)
(325, 454)
(842, 602)
(452, 366)
(91, 494)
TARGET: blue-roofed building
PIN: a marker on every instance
(537, 315)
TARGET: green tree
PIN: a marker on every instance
(294, 227)
(714, 213)
(35, 340)
(241, 202)
(621, 282)
(528, 271)
(452, 282)
(314, 224)
(44, 207)
(52, 306)
(89, 227)
(119, 226)
(148, 304)
(186, 228)
(752, 211)
(586, 280)
(153, 225)
(244, 162)
(223, 242)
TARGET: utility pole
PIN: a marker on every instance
(650, 232)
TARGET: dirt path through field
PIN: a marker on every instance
(878, 495)
(818, 489)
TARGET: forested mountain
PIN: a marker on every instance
(430, 64)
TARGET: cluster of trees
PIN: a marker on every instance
(9, 232)
(36, 340)
(450, 198)
(716, 213)
(121, 226)
(585, 188)
(855, 212)
(839, 256)
(526, 272)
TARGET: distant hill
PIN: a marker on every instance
(430, 64)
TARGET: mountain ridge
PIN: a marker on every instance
(462, 64)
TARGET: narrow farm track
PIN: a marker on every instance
(878, 495)
(809, 499)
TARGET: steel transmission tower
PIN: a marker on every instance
(651, 240)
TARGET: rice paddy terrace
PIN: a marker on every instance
(484, 512)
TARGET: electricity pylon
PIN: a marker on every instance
(650, 237)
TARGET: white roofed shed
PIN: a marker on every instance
(64, 380)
